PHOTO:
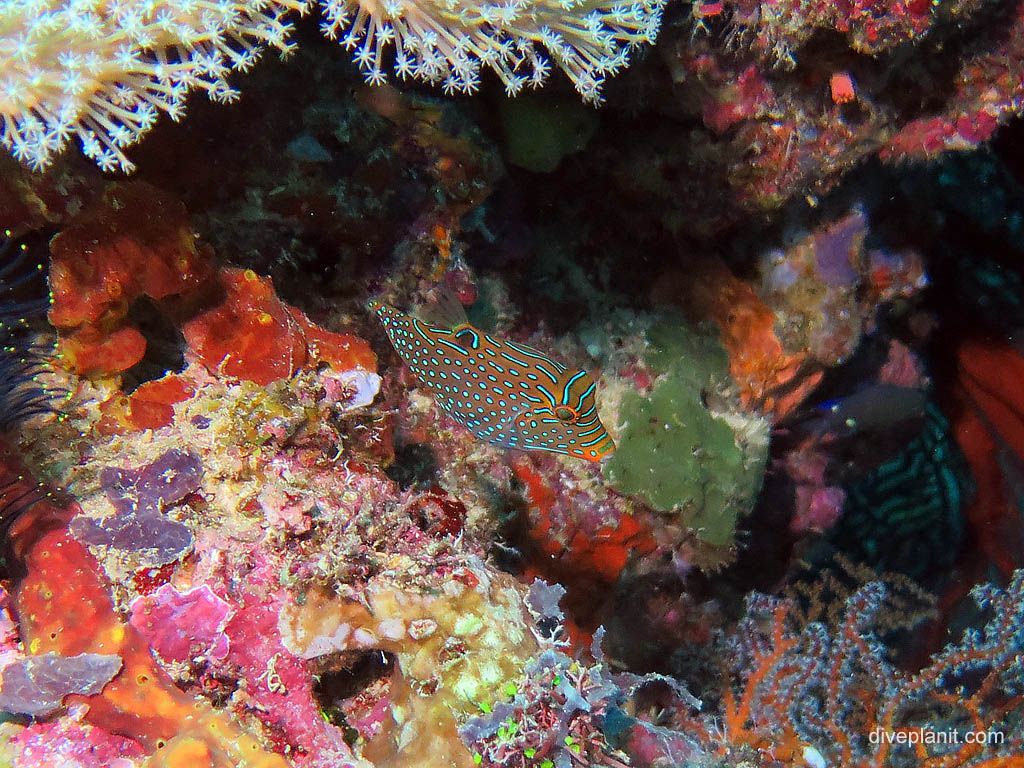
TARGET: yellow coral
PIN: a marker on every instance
(463, 644)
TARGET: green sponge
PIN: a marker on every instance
(678, 454)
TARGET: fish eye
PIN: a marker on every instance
(565, 414)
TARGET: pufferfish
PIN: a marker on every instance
(506, 393)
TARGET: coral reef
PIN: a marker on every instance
(819, 694)
(64, 609)
(555, 711)
(259, 542)
(826, 287)
(580, 524)
(813, 303)
(455, 651)
(770, 378)
(896, 80)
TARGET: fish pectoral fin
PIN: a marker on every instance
(443, 309)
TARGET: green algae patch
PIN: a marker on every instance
(540, 129)
(686, 447)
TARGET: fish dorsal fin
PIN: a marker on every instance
(443, 309)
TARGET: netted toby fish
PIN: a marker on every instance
(506, 393)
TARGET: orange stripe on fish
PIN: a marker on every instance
(506, 393)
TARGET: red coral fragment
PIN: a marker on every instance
(135, 242)
(150, 406)
(340, 351)
(96, 351)
(146, 580)
(841, 87)
(253, 335)
(249, 335)
(748, 96)
(439, 514)
(65, 742)
(593, 549)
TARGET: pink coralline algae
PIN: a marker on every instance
(183, 626)
(775, 29)
(902, 368)
(279, 685)
(817, 504)
(282, 509)
(67, 743)
(64, 607)
(140, 498)
(236, 637)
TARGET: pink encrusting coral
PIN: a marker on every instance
(778, 28)
(817, 505)
(73, 744)
(183, 626)
(238, 638)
